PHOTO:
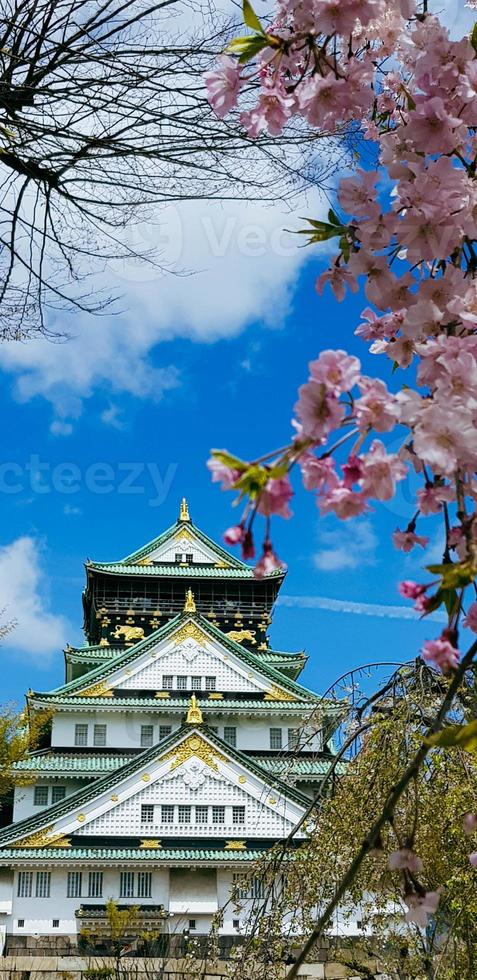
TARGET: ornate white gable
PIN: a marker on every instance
(184, 542)
(190, 652)
(194, 773)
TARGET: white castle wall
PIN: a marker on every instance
(124, 728)
(38, 914)
(124, 818)
(24, 805)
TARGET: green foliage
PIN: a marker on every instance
(250, 18)
(98, 973)
(457, 736)
(321, 231)
(19, 735)
(427, 818)
(247, 47)
(473, 37)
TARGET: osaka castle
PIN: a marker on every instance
(180, 747)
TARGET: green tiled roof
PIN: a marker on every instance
(180, 704)
(298, 768)
(110, 780)
(74, 854)
(71, 763)
(95, 652)
(131, 564)
(89, 765)
(130, 653)
(178, 571)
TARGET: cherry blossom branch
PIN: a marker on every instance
(386, 814)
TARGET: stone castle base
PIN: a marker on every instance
(84, 968)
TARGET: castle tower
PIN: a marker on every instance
(182, 747)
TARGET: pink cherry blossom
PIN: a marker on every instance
(270, 114)
(233, 534)
(223, 85)
(343, 502)
(420, 907)
(274, 498)
(337, 370)
(222, 473)
(339, 277)
(318, 474)
(469, 823)
(470, 620)
(377, 408)
(381, 471)
(411, 590)
(352, 471)
(405, 859)
(442, 653)
(318, 411)
(407, 540)
(429, 500)
(357, 195)
(269, 562)
(432, 129)
(248, 546)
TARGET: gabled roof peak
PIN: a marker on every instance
(184, 516)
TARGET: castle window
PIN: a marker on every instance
(178, 557)
(167, 682)
(25, 884)
(236, 923)
(43, 884)
(275, 738)
(58, 793)
(181, 683)
(189, 558)
(81, 734)
(20, 923)
(55, 923)
(210, 683)
(192, 924)
(230, 735)
(196, 682)
(238, 814)
(201, 814)
(99, 735)
(147, 813)
(164, 731)
(293, 739)
(144, 884)
(73, 884)
(126, 885)
(40, 796)
(95, 884)
(167, 813)
(147, 736)
(184, 814)
(218, 814)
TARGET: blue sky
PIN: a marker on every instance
(236, 392)
(207, 354)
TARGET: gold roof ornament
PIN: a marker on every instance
(194, 714)
(184, 511)
(189, 604)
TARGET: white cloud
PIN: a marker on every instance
(38, 632)
(227, 265)
(347, 547)
(355, 608)
(59, 428)
(112, 416)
